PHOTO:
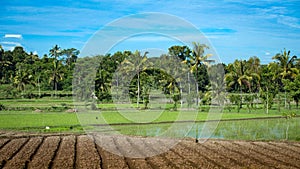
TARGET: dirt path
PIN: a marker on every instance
(81, 151)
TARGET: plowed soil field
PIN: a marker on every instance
(81, 151)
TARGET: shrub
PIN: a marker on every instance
(2, 107)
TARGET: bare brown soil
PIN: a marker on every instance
(81, 151)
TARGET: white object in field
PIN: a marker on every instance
(93, 95)
(47, 127)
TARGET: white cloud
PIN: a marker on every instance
(11, 48)
(18, 36)
(289, 21)
(11, 43)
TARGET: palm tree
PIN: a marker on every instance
(136, 63)
(56, 75)
(287, 70)
(197, 60)
(236, 78)
(22, 78)
(55, 52)
(286, 63)
(4, 64)
(254, 71)
(71, 55)
(217, 83)
(102, 82)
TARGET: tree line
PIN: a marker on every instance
(25, 73)
(244, 81)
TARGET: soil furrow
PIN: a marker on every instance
(19, 160)
(159, 159)
(182, 157)
(135, 143)
(248, 161)
(65, 155)
(122, 153)
(87, 156)
(208, 159)
(3, 142)
(10, 149)
(256, 157)
(232, 156)
(55, 153)
(296, 144)
(109, 159)
(176, 160)
(45, 153)
(281, 150)
(98, 152)
(126, 150)
(2, 163)
(272, 155)
(75, 152)
(104, 151)
(288, 147)
(153, 157)
(36, 150)
(260, 154)
(281, 154)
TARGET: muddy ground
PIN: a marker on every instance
(83, 151)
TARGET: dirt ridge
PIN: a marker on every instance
(82, 151)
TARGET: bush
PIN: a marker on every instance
(2, 107)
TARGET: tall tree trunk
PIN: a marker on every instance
(39, 86)
(241, 97)
(197, 89)
(138, 97)
(55, 93)
(117, 86)
(285, 104)
(278, 103)
(181, 103)
(189, 83)
(267, 101)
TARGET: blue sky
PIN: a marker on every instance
(237, 29)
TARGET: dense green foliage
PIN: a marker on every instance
(26, 75)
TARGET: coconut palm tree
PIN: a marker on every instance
(135, 63)
(286, 64)
(217, 83)
(254, 70)
(236, 78)
(197, 59)
(102, 83)
(55, 52)
(71, 55)
(22, 78)
(287, 69)
(56, 74)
